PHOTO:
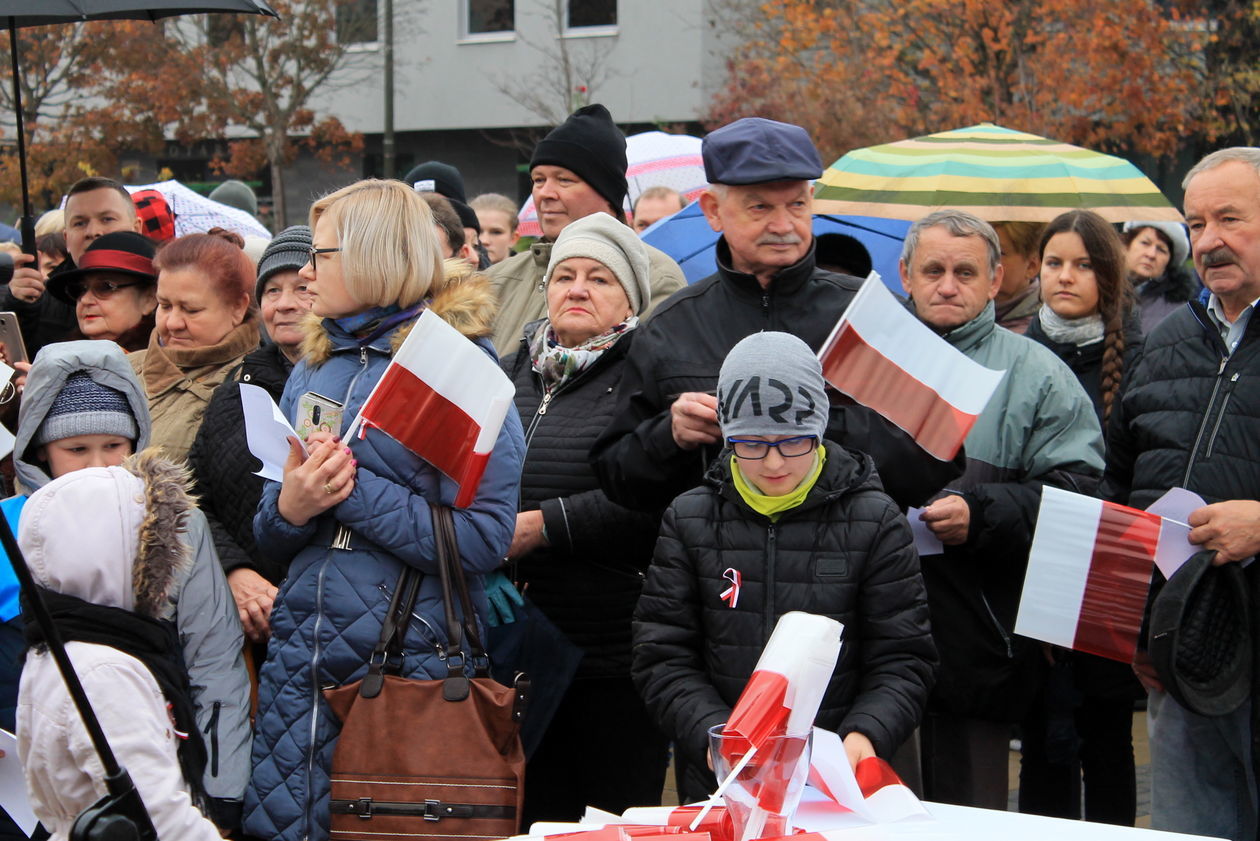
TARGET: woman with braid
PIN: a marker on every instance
(1081, 724)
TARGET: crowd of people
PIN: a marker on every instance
(677, 474)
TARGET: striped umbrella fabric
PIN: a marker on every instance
(999, 174)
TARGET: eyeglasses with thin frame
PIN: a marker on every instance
(101, 289)
(753, 450)
(316, 251)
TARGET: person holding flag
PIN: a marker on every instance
(351, 513)
(785, 521)
(1038, 428)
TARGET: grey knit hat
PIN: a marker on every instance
(289, 251)
(771, 384)
(236, 194)
(85, 407)
(601, 237)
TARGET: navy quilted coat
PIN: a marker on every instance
(329, 611)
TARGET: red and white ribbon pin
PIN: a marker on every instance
(731, 593)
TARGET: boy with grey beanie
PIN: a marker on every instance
(784, 521)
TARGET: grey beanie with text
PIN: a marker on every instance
(771, 384)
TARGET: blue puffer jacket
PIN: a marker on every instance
(328, 614)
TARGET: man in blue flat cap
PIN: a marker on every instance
(761, 174)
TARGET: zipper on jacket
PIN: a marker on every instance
(765, 305)
(437, 641)
(315, 691)
(1203, 424)
(212, 730)
(1220, 414)
(1006, 638)
(771, 557)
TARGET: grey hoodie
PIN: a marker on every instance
(201, 603)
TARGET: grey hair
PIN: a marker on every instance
(719, 191)
(1243, 154)
(959, 223)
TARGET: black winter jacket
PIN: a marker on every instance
(223, 466)
(846, 553)
(1086, 362)
(681, 349)
(588, 579)
(1189, 418)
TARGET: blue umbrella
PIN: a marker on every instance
(687, 237)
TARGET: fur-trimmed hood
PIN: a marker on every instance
(466, 301)
(111, 535)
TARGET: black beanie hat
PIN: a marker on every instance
(590, 144)
(437, 177)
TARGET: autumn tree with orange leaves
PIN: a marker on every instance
(1100, 73)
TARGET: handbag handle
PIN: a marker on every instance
(394, 627)
(455, 584)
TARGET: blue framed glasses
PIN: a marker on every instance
(795, 447)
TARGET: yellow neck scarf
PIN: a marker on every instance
(774, 506)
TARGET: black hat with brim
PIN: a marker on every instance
(122, 252)
(1200, 636)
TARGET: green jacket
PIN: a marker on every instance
(1039, 428)
(516, 281)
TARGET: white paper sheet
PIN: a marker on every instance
(266, 431)
(1174, 547)
(925, 542)
(6, 441)
(13, 785)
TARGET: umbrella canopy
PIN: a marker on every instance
(687, 237)
(20, 13)
(194, 213)
(653, 159)
(999, 174)
(44, 12)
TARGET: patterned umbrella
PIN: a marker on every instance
(997, 173)
(194, 213)
(653, 159)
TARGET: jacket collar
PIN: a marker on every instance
(163, 367)
(844, 472)
(967, 336)
(784, 282)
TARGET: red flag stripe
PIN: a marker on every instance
(873, 774)
(1117, 584)
(432, 427)
(862, 372)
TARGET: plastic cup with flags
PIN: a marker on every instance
(772, 722)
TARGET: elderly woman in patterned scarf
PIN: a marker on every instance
(580, 555)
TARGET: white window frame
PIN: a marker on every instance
(466, 37)
(602, 31)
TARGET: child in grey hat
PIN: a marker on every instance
(784, 521)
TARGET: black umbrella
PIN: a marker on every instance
(44, 12)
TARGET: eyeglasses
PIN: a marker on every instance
(800, 445)
(101, 289)
(315, 251)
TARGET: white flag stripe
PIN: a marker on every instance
(886, 325)
(1058, 566)
(460, 371)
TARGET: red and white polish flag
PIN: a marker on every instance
(443, 398)
(1089, 571)
(885, 358)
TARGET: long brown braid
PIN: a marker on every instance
(1115, 293)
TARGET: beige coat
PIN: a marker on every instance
(179, 383)
(516, 281)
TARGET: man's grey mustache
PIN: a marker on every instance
(1222, 256)
(780, 239)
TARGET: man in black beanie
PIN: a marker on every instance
(578, 169)
(446, 181)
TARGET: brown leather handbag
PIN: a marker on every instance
(419, 758)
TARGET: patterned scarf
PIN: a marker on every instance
(557, 364)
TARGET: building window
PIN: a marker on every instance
(357, 22)
(587, 14)
(489, 17)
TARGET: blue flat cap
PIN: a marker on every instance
(754, 151)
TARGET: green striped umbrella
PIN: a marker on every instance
(997, 173)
